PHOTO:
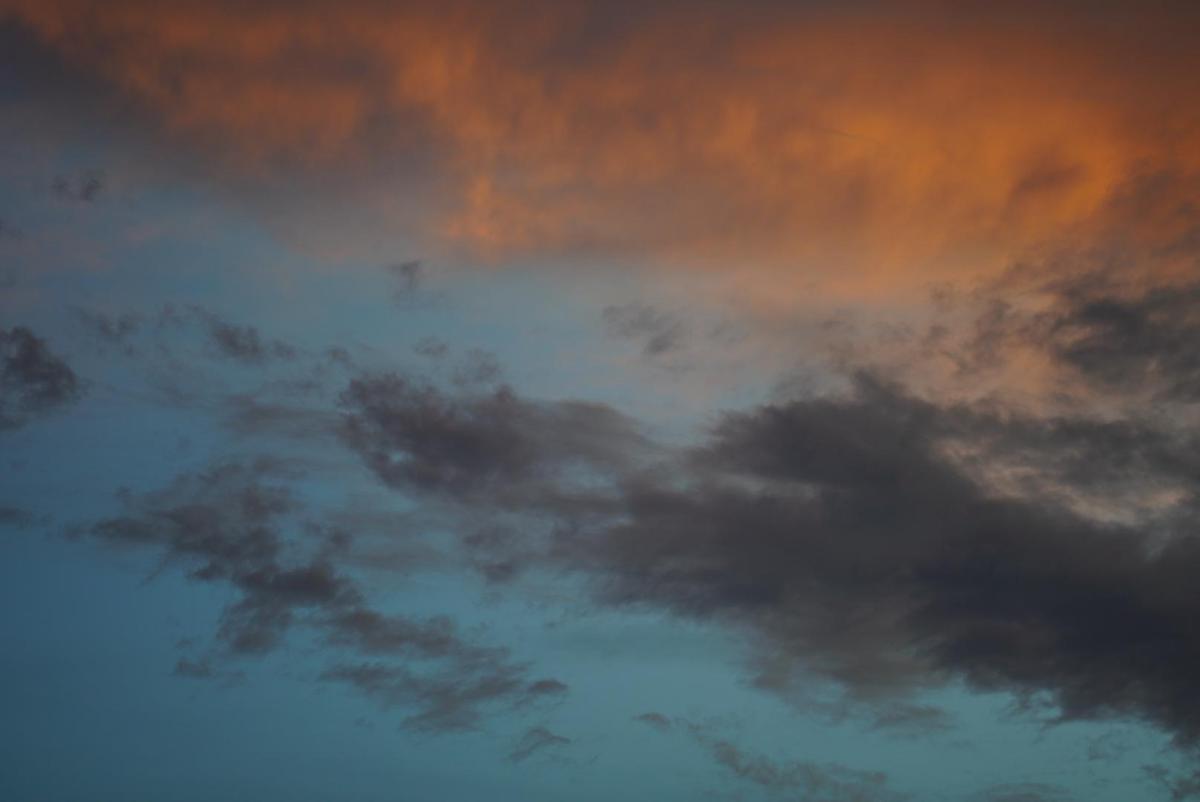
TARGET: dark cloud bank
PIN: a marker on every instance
(850, 535)
(859, 537)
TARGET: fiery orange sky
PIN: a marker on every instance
(884, 145)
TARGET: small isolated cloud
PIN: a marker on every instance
(409, 278)
(432, 347)
(814, 782)
(537, 739)
(116, 331)
(1023, 792)
(910, 720)
(86, 187)
(656, 720)
(658, 332)
(15, 518)
(33, 380)
(242, 343)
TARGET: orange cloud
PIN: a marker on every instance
(880, 143)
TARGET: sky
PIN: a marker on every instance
(581, 400)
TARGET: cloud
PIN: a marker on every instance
(125, 331)
(911, 720)
(228, 525)
(656, 720)
(840, 531)
(242, 343)
(1024, 792)
(827, 783)
(1146, 340)
(861, 537)
(817, 782)
(413, 435)
(409, 276)
(798, 779)
(850, 142)
(660, 331)
(537, 739)
(867, 535)
(1181, 786)
(114, 330)
(85, 188)
(33, 380)
(15, 518)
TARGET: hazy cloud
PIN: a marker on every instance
(658, 332)
(229, 525)
(33, 380)
(537, 739)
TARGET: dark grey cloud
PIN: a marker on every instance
(799, 779)
(839, 531)
(816, 782)
(15, 517)
(86, 187)
(432, 347)
(1023, 792)
(451, 696)
(1149, 339)
(240, 525)
(409, 279)
(156, 336)
(1115, 335)
(195, 669)
(844, 533)
(1181, 786)
(243, 343)
(548, 688)
(412, 435)
(222, 526)
(658, 331)
(33, 380)
(204, 670)
(537, 739)
(910, 720)
(477, 368)
(656, 720)
(255, 414)
(116, 331)
(859, 536)
(112, 328)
